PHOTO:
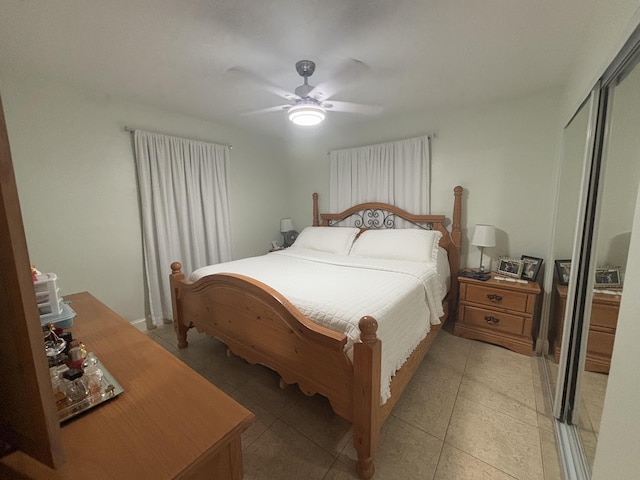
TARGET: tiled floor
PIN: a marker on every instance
(472, 411)
(594, 388)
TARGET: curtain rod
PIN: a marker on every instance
(428, 135)
(129, 129)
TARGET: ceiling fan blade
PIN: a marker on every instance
(263, 83)
(277, 108)
(365, 109)
(348, 72)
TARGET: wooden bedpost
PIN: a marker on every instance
(367, 360)
(178, 326)
(456, 238)
(316, 215)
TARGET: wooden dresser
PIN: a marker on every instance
(602, 328)
(498, 312)
(168, 423)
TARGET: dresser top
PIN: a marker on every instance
(167, 417)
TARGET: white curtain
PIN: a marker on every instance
(185, 210)
(396, 172)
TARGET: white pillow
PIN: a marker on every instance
(410, 244)
(327, 239)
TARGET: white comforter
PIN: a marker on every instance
(337, 290)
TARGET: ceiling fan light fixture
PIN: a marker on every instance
(306, 115)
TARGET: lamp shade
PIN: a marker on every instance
(306, 115)
(484, 236)
(286, 225)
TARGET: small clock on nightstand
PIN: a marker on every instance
(502, 312)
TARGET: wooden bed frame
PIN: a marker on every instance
(260, 325)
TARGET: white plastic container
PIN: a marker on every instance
(47, 308)
(46, 287)
(61, 320)
(48, 294)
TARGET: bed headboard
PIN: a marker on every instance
(383, 215)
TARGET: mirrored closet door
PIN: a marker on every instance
(598, 186)
(577, 149)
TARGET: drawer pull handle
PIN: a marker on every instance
(494, 298)
(492, 320)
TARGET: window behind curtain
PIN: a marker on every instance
(396, 172)
(183, 188)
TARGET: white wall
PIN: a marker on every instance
(501, 153)
(619, 437)
(611, 24)
(77, 184)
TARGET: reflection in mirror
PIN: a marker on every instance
(620, 175)
(574, 151)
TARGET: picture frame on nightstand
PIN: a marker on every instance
(563, 270)
(531, 267)
(608, 277)
(511, 267)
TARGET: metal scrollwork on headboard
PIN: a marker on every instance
(378, 219)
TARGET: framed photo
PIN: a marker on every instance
(563, 269)
(608, 277)
(531, 267)
(510, 266)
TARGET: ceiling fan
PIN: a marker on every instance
(309, 104)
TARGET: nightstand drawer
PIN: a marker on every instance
(604, 316)
(495, 320)
(496, 297)
(600, 343)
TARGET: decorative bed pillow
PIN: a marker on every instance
(327, 239)
(410, 244)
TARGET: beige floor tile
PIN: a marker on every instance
(545, 422)
(542, 398)
(457, 465)
(439, 373)
(589, 442)
(502, 394)
(550, 459)
(584, 420)
(459, 393)
(500, 440)
(264, 419)
(486, 360)
(342, 471)
(232, 371)
(405, 452)
(173, 348)
(594, 389)
(426, 406)
(263, 389)
(450, 349)
(314, 418)
(536, 367)
(552, 368)
(283, 453)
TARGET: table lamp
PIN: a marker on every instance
(286, 224)
(483, 236)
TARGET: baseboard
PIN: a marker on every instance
(140, 324)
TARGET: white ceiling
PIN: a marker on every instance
(175, 54)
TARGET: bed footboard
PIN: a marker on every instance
(258, 324)
(261, 326)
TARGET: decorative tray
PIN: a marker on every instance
(109, 388)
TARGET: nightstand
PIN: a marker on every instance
(498, 311)
(602, 328)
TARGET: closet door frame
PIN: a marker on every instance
(582, 278)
